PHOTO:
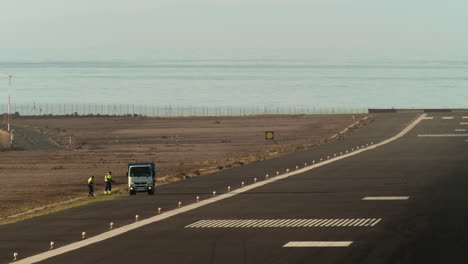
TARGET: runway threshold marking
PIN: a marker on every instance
(124, 229)
(271, 223)
(318, 244)
(443, 135)
(385, 198)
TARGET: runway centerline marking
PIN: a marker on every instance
(447, 117)
(318, 244)
(290, 223)
(463, 123)
(124, 229)
(443, 135)
(385, 198)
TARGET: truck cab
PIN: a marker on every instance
(141, 178)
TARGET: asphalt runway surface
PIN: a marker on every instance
(324, 204)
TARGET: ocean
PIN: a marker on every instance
(242, 81)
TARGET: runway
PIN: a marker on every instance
(403, 202)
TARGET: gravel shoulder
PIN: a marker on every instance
(49, 169)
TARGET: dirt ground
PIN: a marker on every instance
(47, 169)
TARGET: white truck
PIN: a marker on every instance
(141, 178)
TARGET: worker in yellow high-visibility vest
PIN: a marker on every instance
(108, 180)
(91, 186)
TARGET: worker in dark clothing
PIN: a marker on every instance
(91, 186)
(108, 180)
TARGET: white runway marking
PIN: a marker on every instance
(318, 244)
(460, 130)
(447, 117)
(443, 135)
(428, 118)
(463, 123)
(465, 117)
(267, 223)
(385, 198)
(124, 229)
(376, 222)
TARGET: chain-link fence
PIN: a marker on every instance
(166, 110)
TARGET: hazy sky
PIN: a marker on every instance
(432, 25)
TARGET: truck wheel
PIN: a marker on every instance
(151, 192)
(132, 192)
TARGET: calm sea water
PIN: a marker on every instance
(221, 81)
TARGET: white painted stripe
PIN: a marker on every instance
(428, 118)
(245, 223)
(318, 244)
(371, 221)
(351, 223)
(361, 223)
(204, 223)
(304, 223)
(465, 117)
(272, 222)
(334, 221)
(253, 223)
(447, 117)
(266, 223)
(311, 222)
(219, 223)
(234, 223)
(339, 222)
(443, 135)
(257, 223)
(194, 224)
(325, 222)
(319, 222)
(226, 223)
(287, 223)
(208, 223)
(280, 222)
(366, 222)
(376, 222)
(299, 223)
(463, 123)
(124, 229)
(356, 223)
(346, 222)
(460, 130)
(385, 198)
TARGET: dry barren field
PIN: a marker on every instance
(44, 172)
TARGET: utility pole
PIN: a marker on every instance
(9, 93)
